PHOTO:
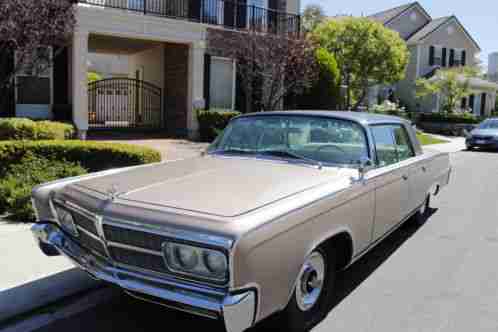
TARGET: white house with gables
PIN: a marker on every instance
(434, 43)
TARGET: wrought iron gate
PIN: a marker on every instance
(124, 103)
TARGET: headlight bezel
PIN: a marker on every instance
(219, 279)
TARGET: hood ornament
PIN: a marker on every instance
(113, 192)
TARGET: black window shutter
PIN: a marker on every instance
(464, 58)
(432, 53)
(229, 13)
(241, 13)
(483, 103)
(452, 57)
(471, 102)
(207, 80)
(443, 60)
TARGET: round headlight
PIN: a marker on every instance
(186, 257)
(66, 221)
(215, 262)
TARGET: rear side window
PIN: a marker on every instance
(403, 144)
(392, 144)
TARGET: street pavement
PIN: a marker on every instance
(440, 277)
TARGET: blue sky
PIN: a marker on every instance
(480, 17)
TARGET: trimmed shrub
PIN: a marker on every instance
(26, 129)
(464, 118)
(93, 156)
(325, 93)
(16, 186)
(212, 122)
(25, 164)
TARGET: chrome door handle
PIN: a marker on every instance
(405, 177)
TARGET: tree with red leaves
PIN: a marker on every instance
(270, 66)
(27, 29)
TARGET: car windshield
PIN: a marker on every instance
(308, 138)
(489, 124)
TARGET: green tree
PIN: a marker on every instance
(367, 54)
(453, 84)
(313, 15)
(325, 92)
(93, 76)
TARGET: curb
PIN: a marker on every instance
(22, 300)
(64, 309)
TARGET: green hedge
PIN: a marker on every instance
(26, 129)
(20, 178)
(449, 118)
(212, 122)
(25, 164)
(93, 156)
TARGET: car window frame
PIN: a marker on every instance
(370, 148)
(374, 144)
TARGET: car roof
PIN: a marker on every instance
(360, 117)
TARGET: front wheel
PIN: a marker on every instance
(420, 217)
(313, 292)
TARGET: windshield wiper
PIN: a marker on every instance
(289, 154)
(234, 151)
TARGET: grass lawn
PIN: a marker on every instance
(429, 139)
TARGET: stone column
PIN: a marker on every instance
(196, 87)
(79, 86)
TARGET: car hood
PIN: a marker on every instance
(485, 132)
(214, 185)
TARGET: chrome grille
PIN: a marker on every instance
(138, 259)
(133, 238)
(485, 138)
(85, 223)
(91, 243)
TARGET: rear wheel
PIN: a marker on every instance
(313, 293)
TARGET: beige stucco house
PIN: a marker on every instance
(434, 43)
(171, 71)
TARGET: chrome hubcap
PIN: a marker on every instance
(310, 282)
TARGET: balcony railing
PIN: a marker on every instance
(229, 14)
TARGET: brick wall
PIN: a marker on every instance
(176, 88)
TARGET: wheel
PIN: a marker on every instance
(313, 292)
(420, 217)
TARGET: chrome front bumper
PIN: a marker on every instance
(237, 310)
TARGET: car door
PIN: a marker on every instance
(410, 167)
(392, 186)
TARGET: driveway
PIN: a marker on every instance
(439, 277)
(170, 149)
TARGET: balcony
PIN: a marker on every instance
(228, 14)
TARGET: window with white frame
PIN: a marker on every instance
(34, 79)
(222, 83)
(438, 56)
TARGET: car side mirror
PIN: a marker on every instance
(364, 165)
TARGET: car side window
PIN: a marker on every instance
(385, 145)
(403, 143)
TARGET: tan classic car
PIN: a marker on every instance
(257, 225)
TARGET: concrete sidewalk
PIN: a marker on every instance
(454, 144)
